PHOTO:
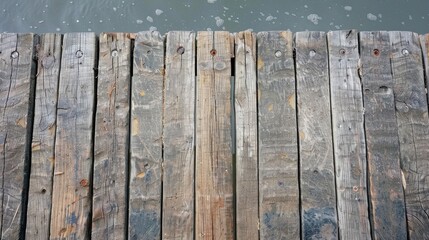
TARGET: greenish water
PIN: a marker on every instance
(231, 15)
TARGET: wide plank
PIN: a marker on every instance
(424, 43)
(110, 177)
(146, 137)
(214, 154)
(413, 128)
(178, 137)
(247, 212)
(43, 143)
(317, 173)
(17, 73)
(71, 194)
(348, 135)
(277, 136)
(387, 206)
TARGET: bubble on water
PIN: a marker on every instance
(114, 9)
(41, 21)
(314, 18)
(219, 21)
(138, 21)
(158, 12)
(211, 1)
(58, 29)
(348, 8)
(102, 21)
(305, 6)
(149, 19)
(371, 17)
(152, 28)
(77, 20)
(269, 18)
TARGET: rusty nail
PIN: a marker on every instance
(342, 51)
(355, 188)
(213, 52)
(376, 52)
(84, 183)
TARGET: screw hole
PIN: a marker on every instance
(79, 54)
(376, 52)
(43, 191)
(213, 52)
(114, 53)
(149, 52)
(180, 50)
(342, 51)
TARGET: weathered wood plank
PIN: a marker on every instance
(146, 137)
(214, 162)
(178, 136)
(385, 186)
(109, 217)
(413, 128)
(317, 174)
(348, 135)
(43, 143)
(277, 133)
(71, 198)
(17, 72)
(247, 212)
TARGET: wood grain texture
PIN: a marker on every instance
(424, 44)
(214, 162)
(348, 135)
(71, 198)
(413, 128)
(17, 72)
(385, 186)
(109, 218)
(277, 134)
(178, 136)
(247, 212)
(317, 173)
(146, 137)
(43, 142)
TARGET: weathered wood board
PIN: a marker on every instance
(178, 136)
(43, 143)
(348, 135)
(214, 159)
(317, 173)
(386, 195)
(17, 73)
(110, 187)
(146, 137)
(71, 194)
(247, 190)
(277, 134)
(424, 43)
(413, 128)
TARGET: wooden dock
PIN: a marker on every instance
(214, 135)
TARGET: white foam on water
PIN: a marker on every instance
(158, 12)
(314, 18)
(149, 19)
(219, 21)
(211, 1)
(138, 21)
(348, 8)
(371, 17)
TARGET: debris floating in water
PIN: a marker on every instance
(348, 8)
(219, 21)
(139, 21)
(152, 28)
(149, 19)
(371, 17)
(269, 18)
(158, 12)
(314, 18)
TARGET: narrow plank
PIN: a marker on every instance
(43, 142)
(348, 135)
(317, 173)
(178, 136)
(17, 73)
(109, 217)
(247, 212)
(277, 133)
(413, 128)
(385, 188)
(214, 162)
(71, 198)
(424, 43)
(146, 137)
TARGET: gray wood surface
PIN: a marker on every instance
(146, 137)
(71, 194)
(277, 134)
(17, 72)
(385, 186)
(109, 211)
(247, 212)
(214, 160)
(413, 128)
(43, 143)
(178, 136)
(424, 43)
(317, 173)
(348, 135)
